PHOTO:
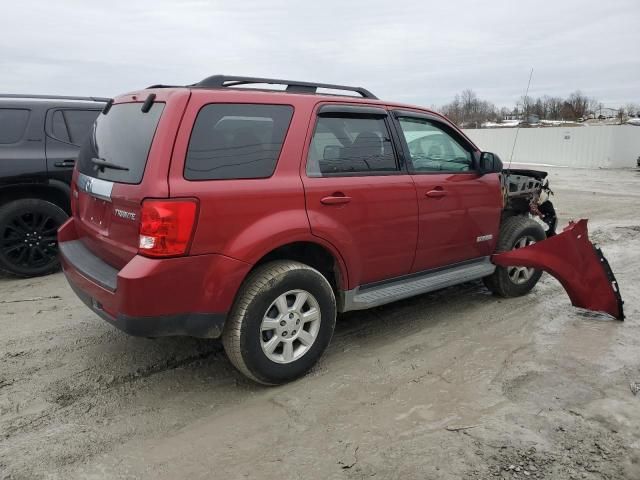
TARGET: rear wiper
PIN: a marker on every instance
(101, 162)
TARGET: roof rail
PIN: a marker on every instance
(293, 86)
(53, 97)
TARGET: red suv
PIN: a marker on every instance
(230, 209)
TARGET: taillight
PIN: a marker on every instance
(74, 199)
(166, 227)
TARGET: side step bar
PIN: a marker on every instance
(373, 295)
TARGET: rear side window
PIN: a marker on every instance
(350, 146)
(59, 127)
(123, 138)
(79, 124)
(233, 141)
(72, 126)
(13, 122)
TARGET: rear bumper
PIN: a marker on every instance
(154, 297)
(203, 325)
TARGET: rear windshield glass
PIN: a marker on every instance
(122, 138)
(236, 141)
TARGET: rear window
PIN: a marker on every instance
(121, 137)
(79, 124)
(13, 122)
(72, 126)
(232, 141)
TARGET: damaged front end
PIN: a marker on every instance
(527, 192)
(578, 265)
(569, 256)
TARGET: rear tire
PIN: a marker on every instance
(515, 232)
(28, 237)
(281, 323)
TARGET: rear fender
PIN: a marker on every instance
(577, 264)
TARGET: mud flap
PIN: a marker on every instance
(577, 264)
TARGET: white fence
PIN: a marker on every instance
(607, 146)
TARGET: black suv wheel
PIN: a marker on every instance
(28, 243)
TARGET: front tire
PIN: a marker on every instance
(515, 232)
(281, 323)
(28, 237)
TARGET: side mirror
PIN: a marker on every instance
(489, 163)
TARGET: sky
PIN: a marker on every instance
(421, 52)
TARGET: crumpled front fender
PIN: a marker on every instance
(577, 264)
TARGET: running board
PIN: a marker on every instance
(361, 298)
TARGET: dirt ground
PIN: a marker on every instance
(543, 387)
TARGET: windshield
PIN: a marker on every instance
(122, 137)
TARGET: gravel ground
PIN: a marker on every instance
(455, 384)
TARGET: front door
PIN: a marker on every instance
(358, 197)
(459, 209)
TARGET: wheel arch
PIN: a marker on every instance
(315, 253)
(53, 191)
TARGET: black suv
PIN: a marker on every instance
(39, 140)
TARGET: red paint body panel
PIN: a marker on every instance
(376, 231)
(149, 287)
(468, 206)
(572, 259)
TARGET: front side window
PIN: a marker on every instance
(432, 149)
(350, 145)
(13, 122)
(234, 141)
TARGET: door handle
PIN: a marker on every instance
(335, 199)
(65, 163)
(436, 193)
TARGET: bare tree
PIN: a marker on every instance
(632, 109)
(579, 103)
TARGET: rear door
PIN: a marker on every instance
(66, 129)
(359, 197)
(125, 161)
(21, 143)
(459, 209)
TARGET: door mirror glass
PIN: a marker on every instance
(489, 163)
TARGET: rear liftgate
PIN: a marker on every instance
(577, 264)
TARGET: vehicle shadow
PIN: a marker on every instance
(128, 359)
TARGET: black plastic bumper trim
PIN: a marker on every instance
(89, 265)
(201, 325)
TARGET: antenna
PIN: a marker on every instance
(526, 95)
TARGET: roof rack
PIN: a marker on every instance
(293, 86)
(53, 97)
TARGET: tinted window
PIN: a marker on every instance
(79, 123)
(432, 149)
(348, 145)
(13, 122)
(236, 141)
(123, 137)
(59, 127)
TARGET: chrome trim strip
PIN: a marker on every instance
(95, 186)
(415, 285)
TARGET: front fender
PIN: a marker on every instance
(577, 264)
